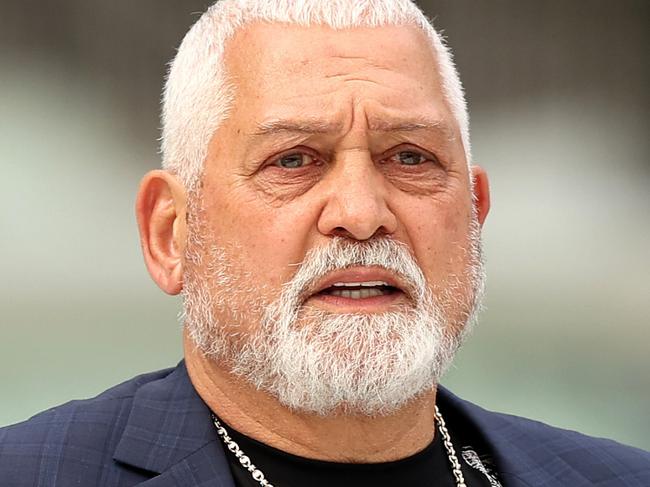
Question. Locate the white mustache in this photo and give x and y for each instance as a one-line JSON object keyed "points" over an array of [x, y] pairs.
{"points": [[342, 253]]}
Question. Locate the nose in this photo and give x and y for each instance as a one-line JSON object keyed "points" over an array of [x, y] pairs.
{"points": [[356, 206]]}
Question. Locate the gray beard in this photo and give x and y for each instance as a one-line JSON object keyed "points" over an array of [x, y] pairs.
{"points": [[326, 363]]}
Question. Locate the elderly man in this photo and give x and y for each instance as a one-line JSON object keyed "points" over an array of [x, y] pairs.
{"points": [[320, 215]]}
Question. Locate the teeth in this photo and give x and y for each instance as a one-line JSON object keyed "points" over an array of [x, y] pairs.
{"points": [[357, 293], [360, 284]]}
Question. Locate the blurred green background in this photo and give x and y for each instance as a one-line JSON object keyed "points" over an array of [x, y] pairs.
{"points": [[558, 93]]}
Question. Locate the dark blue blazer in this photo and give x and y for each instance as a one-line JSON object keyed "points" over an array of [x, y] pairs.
{"points": [[155, 431]]}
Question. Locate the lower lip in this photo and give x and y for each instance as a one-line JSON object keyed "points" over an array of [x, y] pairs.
{"points": [[373, 303]]}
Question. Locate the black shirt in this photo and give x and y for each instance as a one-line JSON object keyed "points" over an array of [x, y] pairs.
{"points": [[429, 467]]}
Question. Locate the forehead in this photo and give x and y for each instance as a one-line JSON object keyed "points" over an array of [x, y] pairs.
{"points": [[278, 67], [264, 45]]}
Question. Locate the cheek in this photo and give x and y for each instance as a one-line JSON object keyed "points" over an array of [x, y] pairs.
{"points": [[267, 241], [437, 233]]}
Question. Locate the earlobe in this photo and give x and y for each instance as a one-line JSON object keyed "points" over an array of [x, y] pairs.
{"points": [[481, 189], [161, 214]]}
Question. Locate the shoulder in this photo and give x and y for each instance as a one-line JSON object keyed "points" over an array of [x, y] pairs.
{"points": [[598, 461], [76, 439], [544, 454], [563, 441]]}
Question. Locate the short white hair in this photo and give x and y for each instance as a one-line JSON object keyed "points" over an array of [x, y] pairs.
{"points": [[198, 96]]}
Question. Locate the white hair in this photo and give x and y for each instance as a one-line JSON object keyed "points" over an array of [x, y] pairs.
{"points": [[197, 96]]}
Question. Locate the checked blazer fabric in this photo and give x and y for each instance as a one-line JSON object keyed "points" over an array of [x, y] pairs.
{"points": [[155, 431]]}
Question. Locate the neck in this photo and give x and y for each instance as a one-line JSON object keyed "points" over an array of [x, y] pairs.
{"points": [[337, 438]]}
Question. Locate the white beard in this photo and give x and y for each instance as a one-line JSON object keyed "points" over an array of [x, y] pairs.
{"points": [[325, 363]]}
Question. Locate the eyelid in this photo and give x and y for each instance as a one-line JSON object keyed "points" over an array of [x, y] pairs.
{"points": [[273, 160], [409, 148]]}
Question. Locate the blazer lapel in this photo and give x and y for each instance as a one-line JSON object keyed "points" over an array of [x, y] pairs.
{"points": [[525, 453], [170, 433], [483, 421], [197, 470]]}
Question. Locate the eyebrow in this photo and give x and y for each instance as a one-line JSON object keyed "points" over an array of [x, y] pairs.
{"points": [[302, 126], [412, 125], [320, 126]]}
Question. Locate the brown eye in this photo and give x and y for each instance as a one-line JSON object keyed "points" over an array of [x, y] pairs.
{"points": [[294, 161]]}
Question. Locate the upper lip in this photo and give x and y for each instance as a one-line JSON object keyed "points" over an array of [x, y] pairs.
{"points": [[358, 275]]}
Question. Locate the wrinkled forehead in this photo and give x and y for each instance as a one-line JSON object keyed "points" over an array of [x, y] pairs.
{"points": [[281, 69]]}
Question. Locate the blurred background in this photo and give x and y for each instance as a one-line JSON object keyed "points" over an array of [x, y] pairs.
{"points": [[558, 93]]}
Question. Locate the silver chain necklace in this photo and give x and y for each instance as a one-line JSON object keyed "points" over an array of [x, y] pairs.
{"points": [[258, 475]]}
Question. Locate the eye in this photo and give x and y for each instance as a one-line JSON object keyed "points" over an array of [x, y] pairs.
{"points": [[410, 158], [295, 160]]}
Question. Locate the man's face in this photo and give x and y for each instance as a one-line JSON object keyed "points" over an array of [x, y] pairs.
{"points": [[332, 134]]}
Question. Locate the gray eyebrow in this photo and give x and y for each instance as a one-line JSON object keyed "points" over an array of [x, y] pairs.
{"points": [[320, 126], [387, 125], [303, 126]]}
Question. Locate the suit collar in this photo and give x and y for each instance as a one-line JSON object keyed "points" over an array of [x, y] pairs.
{"points": [[169, 431], [484, 422], [526, 453]]}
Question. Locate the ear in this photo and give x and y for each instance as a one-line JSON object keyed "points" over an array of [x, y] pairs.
{"points": [[161, 212], [481, 188]]}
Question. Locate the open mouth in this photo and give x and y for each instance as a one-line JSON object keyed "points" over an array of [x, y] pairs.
{"points": [[359, 290]]}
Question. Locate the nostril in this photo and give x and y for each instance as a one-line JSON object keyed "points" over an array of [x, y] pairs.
{"points": [[359, 235], [343, 233]]}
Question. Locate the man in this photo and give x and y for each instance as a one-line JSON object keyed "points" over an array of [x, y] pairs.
{"points": [[319, 212]]}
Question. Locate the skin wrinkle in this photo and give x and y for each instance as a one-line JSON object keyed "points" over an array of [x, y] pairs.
{"points": [[315, 125], [410, 182], [354, 58], [349, 79], [292, 125], [284, 133], [275, 198]]}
